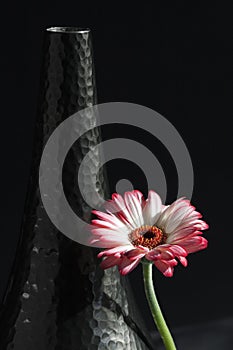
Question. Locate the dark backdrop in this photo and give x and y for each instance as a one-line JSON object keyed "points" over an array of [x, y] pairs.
{"points": [[173, 58]]}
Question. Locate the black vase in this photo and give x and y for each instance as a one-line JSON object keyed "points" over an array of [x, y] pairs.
{"points": [[57, 296]]}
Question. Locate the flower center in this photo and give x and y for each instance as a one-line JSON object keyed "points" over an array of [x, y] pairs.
{"points": [[147, 236]]}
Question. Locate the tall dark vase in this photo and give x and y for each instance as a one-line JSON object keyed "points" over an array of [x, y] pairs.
{"points": [[58, 298]]}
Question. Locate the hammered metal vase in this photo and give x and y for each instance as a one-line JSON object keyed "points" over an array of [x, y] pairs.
{"points": [[57, 295]]}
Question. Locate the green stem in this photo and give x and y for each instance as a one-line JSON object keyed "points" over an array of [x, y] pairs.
{"points": [[155, 308]]}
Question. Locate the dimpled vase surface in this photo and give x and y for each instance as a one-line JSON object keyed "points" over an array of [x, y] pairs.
{"points": [[57, 296]]}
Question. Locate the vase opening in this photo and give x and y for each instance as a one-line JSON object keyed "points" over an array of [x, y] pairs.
{"points": [[68, 30]]}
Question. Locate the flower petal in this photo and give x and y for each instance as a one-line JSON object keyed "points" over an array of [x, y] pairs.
{"points": [[165, 215], [134, 208], [176, 217], [140, 197], [177, 250], [106, 242], [136, 253], [115, 251], [110, 261], [127, 265], [111, 218], [106, 224], [152, 208], [118, 207], [166, 266], [190, 223], [183, 260], [193, 244], [166, 252], [102, 231], [159, 254], [182, 234]]}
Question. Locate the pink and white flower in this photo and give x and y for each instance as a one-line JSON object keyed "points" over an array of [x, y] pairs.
{"points": [[133, 228]]}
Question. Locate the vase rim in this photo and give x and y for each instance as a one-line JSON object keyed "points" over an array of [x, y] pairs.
{"points": [[68, 30]]}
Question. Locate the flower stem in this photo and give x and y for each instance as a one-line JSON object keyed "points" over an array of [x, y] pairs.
{"points": [[155, 308]]}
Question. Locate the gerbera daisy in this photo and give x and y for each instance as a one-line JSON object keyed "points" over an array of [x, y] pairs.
{"points": [[133, 228]]}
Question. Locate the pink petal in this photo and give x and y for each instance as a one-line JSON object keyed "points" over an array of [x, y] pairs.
{"points": [[134, 208], [115, 251], [159, 254], [110, 261], [194, 215], [152, 208], [166, 252], [183, 260], [117, 206], [176, 217], [102, 243], [194, 244], [166, 267], [173, 238], [139, 196], [187, 229], [190, 222], [177, 250], [111, 218], [181, 237], [201, 225], [164, 207], [136, 253], [114, 240], [127, 265], [168, 211], [106, 224], [102, 231]]}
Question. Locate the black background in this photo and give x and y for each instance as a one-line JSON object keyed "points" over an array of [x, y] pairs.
{"points": [[172, 57]]}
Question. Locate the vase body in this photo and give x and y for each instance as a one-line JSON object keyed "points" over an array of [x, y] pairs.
{"points": [[58, 298]]}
